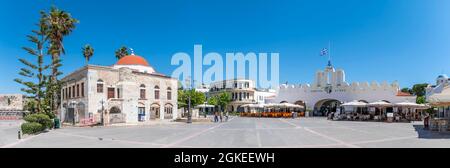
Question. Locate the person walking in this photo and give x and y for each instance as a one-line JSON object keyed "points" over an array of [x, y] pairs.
{"points": [[226, 116], [220, 116], [216, 117]]}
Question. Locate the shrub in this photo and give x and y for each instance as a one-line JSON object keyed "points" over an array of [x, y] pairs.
{"points": [[40, 118], [32, 128]]}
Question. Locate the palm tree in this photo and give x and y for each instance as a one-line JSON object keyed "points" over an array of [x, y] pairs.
{"points": [[122, 52], [60, 24], [88, 51]]}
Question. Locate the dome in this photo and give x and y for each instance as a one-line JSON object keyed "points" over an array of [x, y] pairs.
{"points": [[442, 76], [135, 62], [132, 60]]}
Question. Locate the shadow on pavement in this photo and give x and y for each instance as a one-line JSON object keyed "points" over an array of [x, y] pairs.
{"points": [[428, 134]]}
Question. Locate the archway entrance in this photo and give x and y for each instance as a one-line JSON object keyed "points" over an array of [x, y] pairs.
{"points": [[325, 106]]}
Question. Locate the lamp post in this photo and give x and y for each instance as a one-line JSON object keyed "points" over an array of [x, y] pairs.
{"points": [[189, 88], [103, 109]]}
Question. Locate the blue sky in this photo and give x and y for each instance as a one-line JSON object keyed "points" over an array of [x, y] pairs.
{"points": [[403, 40]]}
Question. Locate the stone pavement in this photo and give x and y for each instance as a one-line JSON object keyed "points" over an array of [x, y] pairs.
{"points": [[244, 132]]}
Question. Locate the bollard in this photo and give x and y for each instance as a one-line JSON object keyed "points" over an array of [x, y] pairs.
{"points": [[19, 134]]}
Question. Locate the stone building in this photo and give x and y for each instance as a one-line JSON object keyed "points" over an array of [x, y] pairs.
{"points": [[130, 91], [11, 106], [330, 89]]}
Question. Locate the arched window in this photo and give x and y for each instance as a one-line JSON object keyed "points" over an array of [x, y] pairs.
{"points": [[142, 91], [169, 93], [114, 110], [168, 110], [100, 86], [156, 92]]}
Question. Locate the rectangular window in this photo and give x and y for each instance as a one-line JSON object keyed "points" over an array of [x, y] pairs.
{"points": [[118, 93], [99, 87], [82, 89], [78, 90], [142, 94], [169, 95], [110, 93], [70, 92], [73, 91], [156, 94], [63, 94]]}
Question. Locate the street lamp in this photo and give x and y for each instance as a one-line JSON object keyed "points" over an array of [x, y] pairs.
{"points": [[189, 88], [103, 109]]}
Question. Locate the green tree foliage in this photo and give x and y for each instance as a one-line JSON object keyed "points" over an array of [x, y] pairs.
{"points": [[87, 51], [121, 52], [34, 80], [420, 100], [407, 90], [48, 39], [419, 89], [60, 24], [197, 98], [221, 100]]}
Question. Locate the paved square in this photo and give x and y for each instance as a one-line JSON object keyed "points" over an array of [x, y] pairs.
{"points": [[238, 132]]}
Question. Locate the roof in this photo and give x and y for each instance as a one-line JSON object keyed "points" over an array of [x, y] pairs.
{"points": [[400, 93], [132, 60]]}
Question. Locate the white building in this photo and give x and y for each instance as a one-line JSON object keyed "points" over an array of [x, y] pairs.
{"points": [[439, 96], [129, 91], [330, 89], [242, 92]]}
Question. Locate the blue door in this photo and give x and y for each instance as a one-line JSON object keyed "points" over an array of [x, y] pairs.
{"points": [[141, 114]]}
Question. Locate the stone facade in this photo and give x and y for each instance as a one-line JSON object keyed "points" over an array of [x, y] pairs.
{"points": [[9, 102], [124, 94], [331, 89]]}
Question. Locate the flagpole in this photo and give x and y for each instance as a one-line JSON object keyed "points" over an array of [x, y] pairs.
{"points": [[329, 52]]}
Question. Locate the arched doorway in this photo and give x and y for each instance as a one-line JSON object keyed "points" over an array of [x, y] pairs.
{"points": [[116, 115], [325, 106], [154, 111]]}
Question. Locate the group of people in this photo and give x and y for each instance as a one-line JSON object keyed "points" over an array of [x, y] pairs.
{"points": [[218, 116]]}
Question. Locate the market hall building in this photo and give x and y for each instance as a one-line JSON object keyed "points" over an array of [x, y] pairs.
{"points": [[130, 91], [330, 90]]}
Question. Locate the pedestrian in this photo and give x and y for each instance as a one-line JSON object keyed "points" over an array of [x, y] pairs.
{"points": [[220, 115], [216, 118], [293, 116], [226, 116], [425, 122]]}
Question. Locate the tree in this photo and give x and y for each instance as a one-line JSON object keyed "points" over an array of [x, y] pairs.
{"points": [[122, 52], [407, 90], [197, 98], [419, 89], [420, 100], [35, 80], [60, 24], [88, 51], [221, 100]]}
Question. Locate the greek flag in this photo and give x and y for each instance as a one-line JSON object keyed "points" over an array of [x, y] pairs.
{"points": [[324, 52]]}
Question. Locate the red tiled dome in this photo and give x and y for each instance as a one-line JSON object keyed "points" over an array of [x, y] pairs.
{"points": [[132, 60]]}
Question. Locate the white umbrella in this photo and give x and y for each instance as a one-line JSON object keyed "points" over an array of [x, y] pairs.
{"points": [[354, 104], [380, 104], [412, 105]]}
